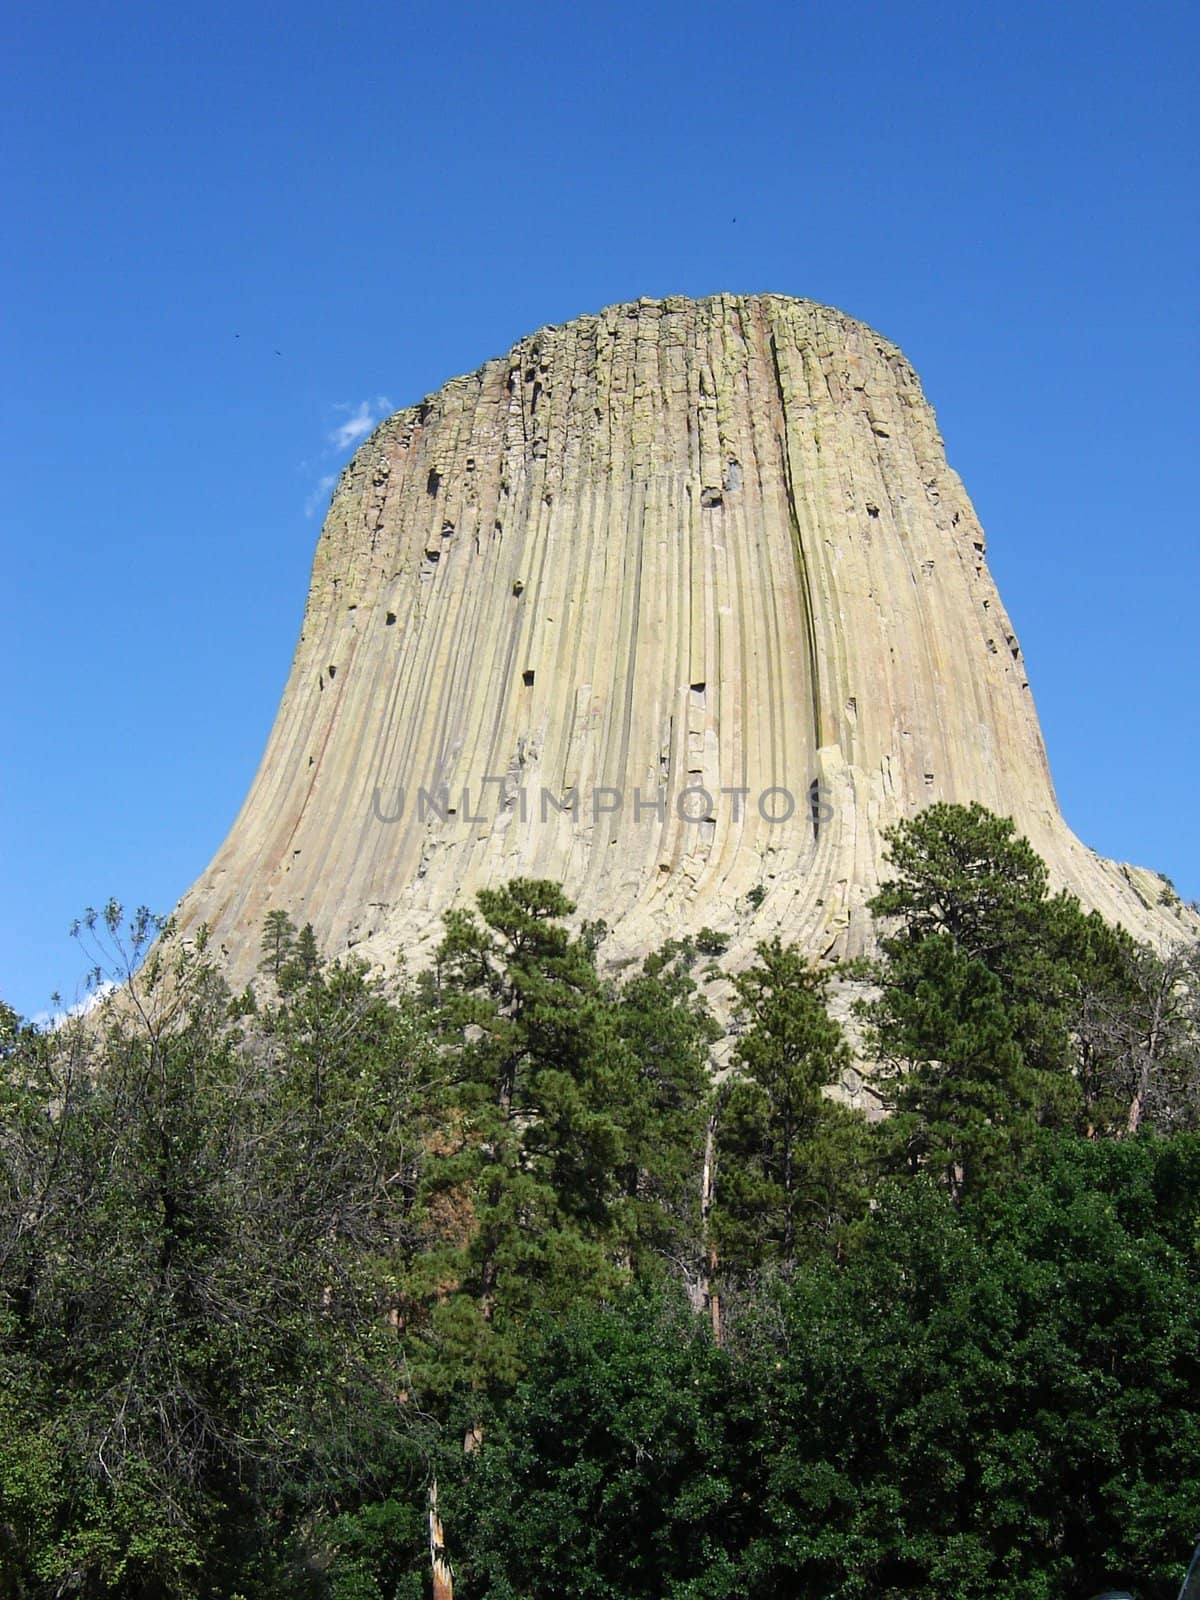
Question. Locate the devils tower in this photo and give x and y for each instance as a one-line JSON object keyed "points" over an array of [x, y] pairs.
{"points": [[680, 605]]}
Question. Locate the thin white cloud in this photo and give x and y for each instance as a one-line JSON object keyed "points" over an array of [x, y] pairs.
{"points": [[359, 418], [55, 1019], [320, 494], [358, 424]]}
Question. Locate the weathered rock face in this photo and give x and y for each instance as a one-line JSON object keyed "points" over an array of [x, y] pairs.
{"points": [[680, 605]]}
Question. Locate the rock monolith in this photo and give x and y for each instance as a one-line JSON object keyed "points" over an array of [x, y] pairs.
{"points": [[679, 604]]}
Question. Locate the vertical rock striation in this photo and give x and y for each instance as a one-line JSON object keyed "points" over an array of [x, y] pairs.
{"points": [[679, 604]]}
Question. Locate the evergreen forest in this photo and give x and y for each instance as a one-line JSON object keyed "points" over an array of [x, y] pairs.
{"points": [[523, 1276]]}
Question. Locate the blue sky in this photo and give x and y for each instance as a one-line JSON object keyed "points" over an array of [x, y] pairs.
{"points": [[235, 233]]}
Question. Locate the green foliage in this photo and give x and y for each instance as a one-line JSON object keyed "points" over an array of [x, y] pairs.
{"points": [[266, 1264], [192, 1350], [304, 962], [514, 1198], [963, 875], [377, 1552], [572, 1120], [608, 1473], [660, 1092], [790, 1162], [992, 1397], [278, 943], [996, 1398], [963, 872], [980, 992], [292, 959], [965, 1101]]}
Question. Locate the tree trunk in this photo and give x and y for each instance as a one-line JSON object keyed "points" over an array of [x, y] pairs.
{"points": [[707, 1189], [443, 1577], [1137, 1105], [714, 1301], [789, 1232]]}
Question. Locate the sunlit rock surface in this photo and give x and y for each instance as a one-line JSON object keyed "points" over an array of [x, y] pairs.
{"points": [[679, 604]]}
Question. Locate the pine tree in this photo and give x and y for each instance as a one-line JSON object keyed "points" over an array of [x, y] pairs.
{"points": [[278, 943], [518, 1188], [661, 1095], [304, 961], [980, 990], [964, 1100], [966, 875], [789, 1160]]}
